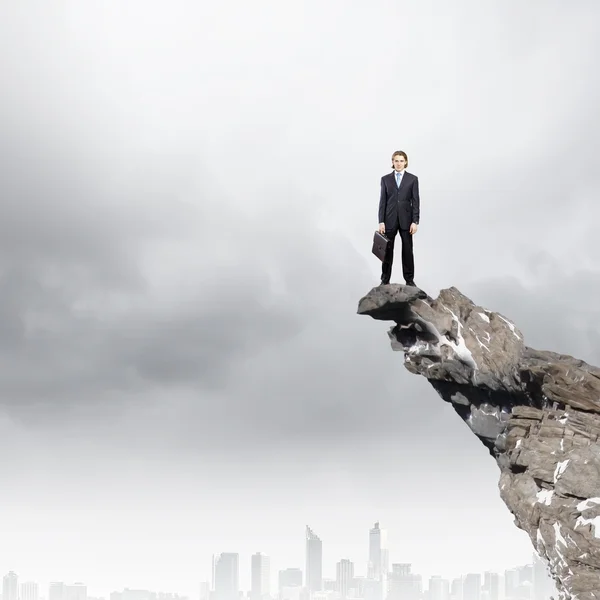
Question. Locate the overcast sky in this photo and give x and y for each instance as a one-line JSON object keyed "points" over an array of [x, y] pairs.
{"points": [[188, 195]]}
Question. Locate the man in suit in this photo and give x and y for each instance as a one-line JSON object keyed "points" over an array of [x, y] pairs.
{"points": [[399, 212]]}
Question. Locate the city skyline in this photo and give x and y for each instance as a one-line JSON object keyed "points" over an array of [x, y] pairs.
{"points": [[228, 569], [80, 589], [34, 586]]}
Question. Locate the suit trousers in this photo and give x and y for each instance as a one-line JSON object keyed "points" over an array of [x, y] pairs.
{"points": [[408, 261]]}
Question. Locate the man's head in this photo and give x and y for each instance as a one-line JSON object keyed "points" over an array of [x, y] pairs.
{"points": [[399, 160]]}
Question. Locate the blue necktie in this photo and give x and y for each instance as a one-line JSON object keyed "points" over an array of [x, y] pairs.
{"points": [[398, 179]]}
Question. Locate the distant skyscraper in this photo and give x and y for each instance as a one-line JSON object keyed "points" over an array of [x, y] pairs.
{"points": [[511, 582], [56, 591], [290, 584], [29, 591], [403, 584], [77, 591], [59, 591], [525, 574], [314, 561], [456, 589], [261, 577], [378, 553], [9, 586], [226, 576], [439, 589], [472, 587], [358, 588], [377, 568], [491, 585], [344, 577]]}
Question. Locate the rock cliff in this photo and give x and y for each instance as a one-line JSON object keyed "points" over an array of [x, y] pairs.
{"points": [[537, 412]]}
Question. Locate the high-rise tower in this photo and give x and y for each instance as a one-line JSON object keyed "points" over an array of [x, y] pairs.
{"points": [[314, 561], [378, 567], [226, 574], [378, 553], [344, 577], [261, 577], [9, 586]]}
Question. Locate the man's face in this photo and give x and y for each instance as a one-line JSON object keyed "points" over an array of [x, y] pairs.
{"points": [[399, 162]]}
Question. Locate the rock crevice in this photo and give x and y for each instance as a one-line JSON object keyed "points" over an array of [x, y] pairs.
{"points": [[536, 411]]}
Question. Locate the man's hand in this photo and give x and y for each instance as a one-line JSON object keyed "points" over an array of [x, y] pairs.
{"points": [[381, 228], [413, 228]]}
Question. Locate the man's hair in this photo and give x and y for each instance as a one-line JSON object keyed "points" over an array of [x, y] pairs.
{"points": [[400, 153]]}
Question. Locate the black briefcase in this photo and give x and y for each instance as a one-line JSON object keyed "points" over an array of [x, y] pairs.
{"points": [[380, 245]]}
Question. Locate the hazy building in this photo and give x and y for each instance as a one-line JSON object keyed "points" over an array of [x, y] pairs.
{"points": [[456, 589], [472, 587], [290, 578], [378, 553], [293, 592], [511, 583], [56, 590], [358, 587], [372, 589], [128, 594], [77, 591], [314, 561], [491, 585], [169, 596], [344, 580], [260, 585], [403, 584], [226, 576], [525, 574], [29, 591], [290, 584], [438, 588], [377, 566], [10, 590]]}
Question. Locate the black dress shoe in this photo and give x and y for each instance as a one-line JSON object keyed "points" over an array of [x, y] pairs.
{"points": [[411, 283], [385, 280]]}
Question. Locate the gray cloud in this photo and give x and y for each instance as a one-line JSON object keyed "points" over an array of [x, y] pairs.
{"points": [[136, 255], [132, 259]]}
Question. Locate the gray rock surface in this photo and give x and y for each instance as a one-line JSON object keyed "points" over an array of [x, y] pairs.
{"points": [[537, 412]]}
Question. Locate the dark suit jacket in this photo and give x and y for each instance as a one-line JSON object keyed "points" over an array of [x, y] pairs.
{"points": [[399, 207]]}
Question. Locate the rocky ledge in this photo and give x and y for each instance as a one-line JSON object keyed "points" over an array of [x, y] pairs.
{"points": [[537, 412]]}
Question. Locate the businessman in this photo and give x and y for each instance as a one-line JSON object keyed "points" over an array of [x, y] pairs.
{"points": [[399, 214]]}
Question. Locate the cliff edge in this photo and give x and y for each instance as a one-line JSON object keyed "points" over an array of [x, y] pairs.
{"points": [[537, 412]]}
